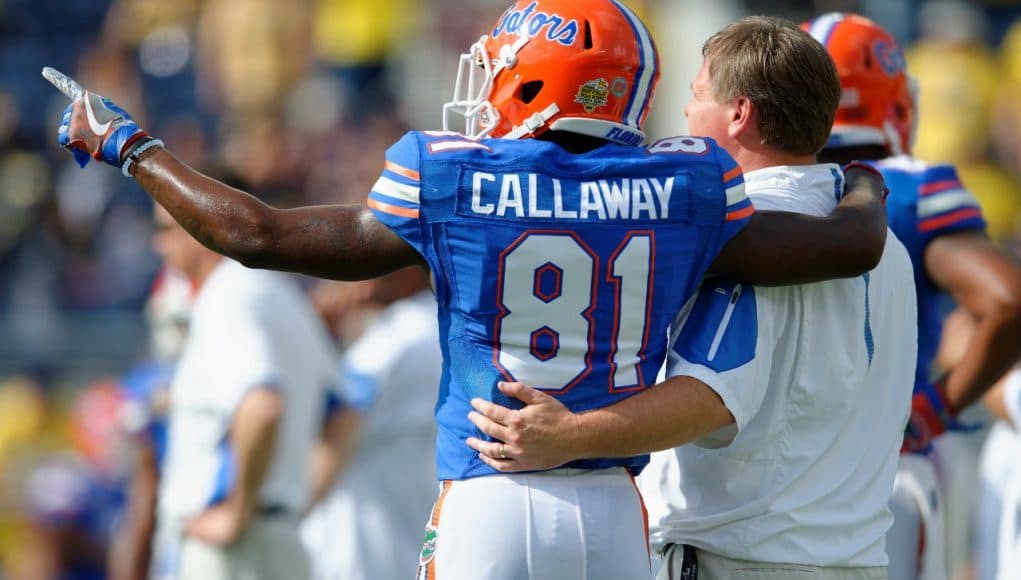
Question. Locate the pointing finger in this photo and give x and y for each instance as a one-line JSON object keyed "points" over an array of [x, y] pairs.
{"points": [[64, 83]]}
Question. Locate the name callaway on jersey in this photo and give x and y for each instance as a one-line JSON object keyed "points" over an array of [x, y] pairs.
{"points": [[532, 195]]}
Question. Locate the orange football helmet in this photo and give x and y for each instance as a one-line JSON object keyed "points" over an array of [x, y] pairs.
{"points": [[878, 98], [585, 66]]}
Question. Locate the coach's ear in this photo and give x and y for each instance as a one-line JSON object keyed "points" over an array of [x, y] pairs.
{"points": [[740, 117]]}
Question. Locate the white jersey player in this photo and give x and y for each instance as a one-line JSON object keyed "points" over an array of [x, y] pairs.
{"points": [[255, 367]]}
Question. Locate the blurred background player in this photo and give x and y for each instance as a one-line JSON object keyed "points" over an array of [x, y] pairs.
{"points": [[146, 387], [387, 483], [253, 373], [942, 226], [995, 484], [998, 517], [583, 128]]}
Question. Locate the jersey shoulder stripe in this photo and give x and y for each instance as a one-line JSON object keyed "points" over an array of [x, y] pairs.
{"points": [[398, 188], [934, 195], [947, 201], [395, 190], [401, 173], [960, 219], [741, 210], [392, 209], [739, 206]]}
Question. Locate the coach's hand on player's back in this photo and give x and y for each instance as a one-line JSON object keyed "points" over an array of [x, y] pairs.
{"points": [[541, 435]]}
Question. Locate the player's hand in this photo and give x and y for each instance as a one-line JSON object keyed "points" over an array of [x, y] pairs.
{"points": [[218, 525], [93, 126], [857, 170], [537, 436], [96, 127], [930, 417]]}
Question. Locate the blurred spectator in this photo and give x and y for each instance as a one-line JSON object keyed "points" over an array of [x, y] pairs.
{"points": [[251, 54], [956, 73], [965, 113], [355, 40], [146, 388], [254, 369]]}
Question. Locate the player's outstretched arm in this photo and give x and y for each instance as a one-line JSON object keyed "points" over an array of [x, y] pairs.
{"points": [[342, 242], [986, 282], [779, 248]]}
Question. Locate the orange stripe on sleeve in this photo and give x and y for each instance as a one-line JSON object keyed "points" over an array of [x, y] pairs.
{"points": [[401, 170], [935, 223], [935, 186], [393, 209], [731, 174], [740, 213]]}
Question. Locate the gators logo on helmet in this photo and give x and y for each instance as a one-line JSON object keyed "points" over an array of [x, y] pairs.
{"points": [[541, 67]]}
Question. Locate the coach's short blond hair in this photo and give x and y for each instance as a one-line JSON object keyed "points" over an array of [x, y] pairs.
{"points": [[787, 75]]}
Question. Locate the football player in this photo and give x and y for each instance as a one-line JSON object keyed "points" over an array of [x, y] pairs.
{"points": [[942, 226], [560, 247]]}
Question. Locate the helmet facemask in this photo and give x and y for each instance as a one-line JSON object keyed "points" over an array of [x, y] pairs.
{"points": [[473, 86]]}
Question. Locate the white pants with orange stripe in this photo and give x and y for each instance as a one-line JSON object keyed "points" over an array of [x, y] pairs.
{"points": [[564, 524], [916, 542]]}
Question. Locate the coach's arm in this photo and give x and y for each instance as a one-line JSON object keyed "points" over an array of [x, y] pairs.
{"points": [[545, 434]]}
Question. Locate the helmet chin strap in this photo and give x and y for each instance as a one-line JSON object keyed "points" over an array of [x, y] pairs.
{"points": [[529, 125], [508, 56]]}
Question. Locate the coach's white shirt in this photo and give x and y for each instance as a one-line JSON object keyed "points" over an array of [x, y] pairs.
{"points": [[818, 378], [249, 329]]}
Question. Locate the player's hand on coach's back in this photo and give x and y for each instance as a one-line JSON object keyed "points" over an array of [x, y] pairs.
{"points": [[94, 126], [931, 416]]}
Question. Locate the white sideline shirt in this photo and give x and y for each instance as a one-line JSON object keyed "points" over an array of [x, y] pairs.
{"points": [[249, 329], [818, 378]]}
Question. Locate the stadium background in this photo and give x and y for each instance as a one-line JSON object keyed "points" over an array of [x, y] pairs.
{"points": [[297, 100]]}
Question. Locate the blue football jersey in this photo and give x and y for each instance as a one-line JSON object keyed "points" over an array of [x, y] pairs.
{"points": [[558, 270], [925, 202]]}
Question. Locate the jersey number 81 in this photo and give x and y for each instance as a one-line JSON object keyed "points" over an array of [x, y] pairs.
{"points": [[548, 295]]}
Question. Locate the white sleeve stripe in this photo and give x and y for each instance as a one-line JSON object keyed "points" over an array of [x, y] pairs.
{"points": [[736, 194], [945, 201], [391, 188]]}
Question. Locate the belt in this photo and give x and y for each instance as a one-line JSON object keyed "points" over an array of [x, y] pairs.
{"points": [[688, 569], [273, 510]]}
